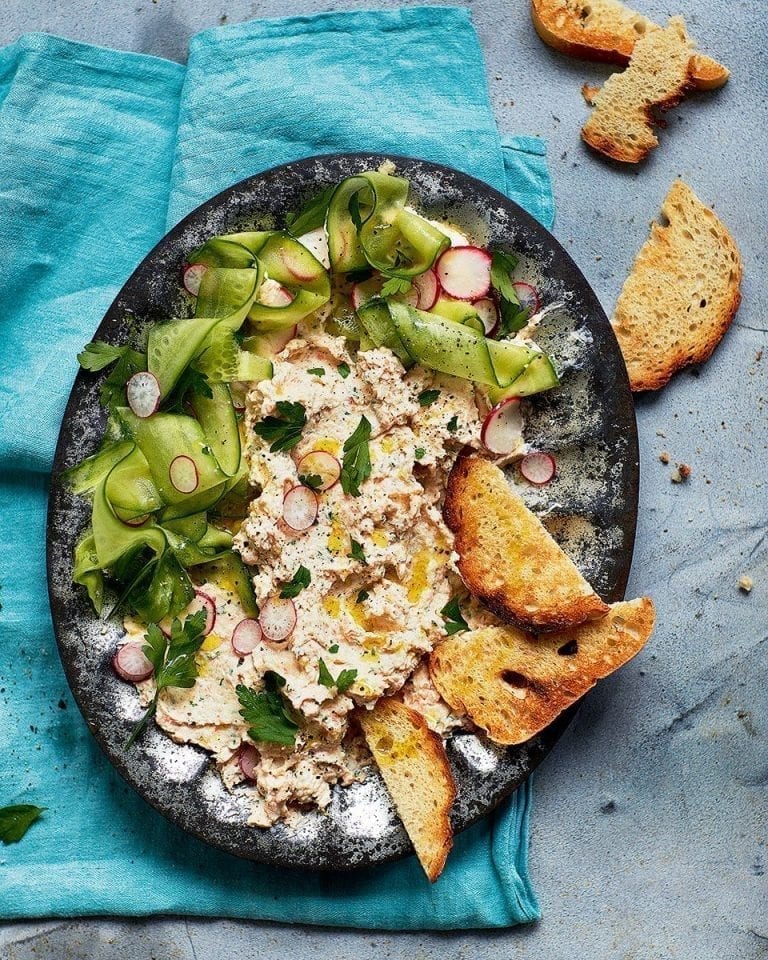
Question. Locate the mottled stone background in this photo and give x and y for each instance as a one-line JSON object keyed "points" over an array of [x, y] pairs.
{"points": [[651, 814]]}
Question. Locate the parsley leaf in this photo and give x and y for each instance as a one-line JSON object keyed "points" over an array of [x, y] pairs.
{"points": [[265, 711], [502, 265], [312, 214], [427, 397], [342, 683], [324, 675], [362, 596], [173, 659], [394, 286], [334, 648], [453, 424], [283, 430], [193, 380], [317, 371], [454, 621], [98, 354], [357, 552], [16, 820], [356, 464], [513, 317], [419, 452], [344, 370], [311, 480], [302, 578]]}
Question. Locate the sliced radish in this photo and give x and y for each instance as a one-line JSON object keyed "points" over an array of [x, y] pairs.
{"points": [[246, 637], [528, 297], [538, 467], [136, 521], [131, 664], [277, 619], [427, 288], [249, 760], [316, 241], [272, 294], [319, 463], [465, 272], [502, 429], [183, 474], [143, 394], [192, 277], [300, 508], [489, 315]]}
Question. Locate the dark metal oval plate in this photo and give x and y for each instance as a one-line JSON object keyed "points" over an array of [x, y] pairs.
{"points": [[591, 507]]}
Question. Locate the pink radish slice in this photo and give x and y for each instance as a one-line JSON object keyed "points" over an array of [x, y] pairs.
{"points": [[203, 602], [246, 637], [131, 664], [183, 474], [489, 315], [465, 272], [249, 760], [316, 241], [137, 521], [192, 277], [538, 468], [319, 463], [427, 288], [277, 619], [300, 508], [528, 297], [143, 394], [274, 295], [502, 429]]}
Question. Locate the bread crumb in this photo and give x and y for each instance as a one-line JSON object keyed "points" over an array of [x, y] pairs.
{"points": [[681, 473], [745, 583], [664, 456]]}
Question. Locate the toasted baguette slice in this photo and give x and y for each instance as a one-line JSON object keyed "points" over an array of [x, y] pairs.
{"points": [[607, 31], [417, 773], [658, 75], [513, 685], [507, 558], [682, 294]]}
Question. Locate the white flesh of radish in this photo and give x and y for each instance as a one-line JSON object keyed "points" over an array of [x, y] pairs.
{"points": [[300, 508], [502, 429], [277, 619], [465, 272], [143, 394], [131, 664]]}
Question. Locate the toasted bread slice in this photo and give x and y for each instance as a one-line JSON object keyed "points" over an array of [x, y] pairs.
{"points": [[507, 558], [658, 75], [513, 685], [607, 31], [417, 773], [682, 293]]}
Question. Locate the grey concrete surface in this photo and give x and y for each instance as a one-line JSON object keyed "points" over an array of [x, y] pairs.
{"points": [[651, 815]]}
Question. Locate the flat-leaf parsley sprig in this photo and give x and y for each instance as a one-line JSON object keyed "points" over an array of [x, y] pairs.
{"points": [[284, 429], [356, 464], [266, 712], [173, 659]]}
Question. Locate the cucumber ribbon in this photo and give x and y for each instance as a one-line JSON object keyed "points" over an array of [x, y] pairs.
{"points": [[457, 349]]}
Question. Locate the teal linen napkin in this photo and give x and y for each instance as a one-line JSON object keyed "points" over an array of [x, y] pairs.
{"points": [[99, 151]]}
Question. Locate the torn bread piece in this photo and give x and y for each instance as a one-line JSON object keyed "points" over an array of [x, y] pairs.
{"points": [[657, 78], [607, 31], [682, 293], [415, 768], [507, 558], [513, 684]]}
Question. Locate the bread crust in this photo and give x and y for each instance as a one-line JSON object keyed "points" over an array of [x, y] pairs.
{"points": [[530, 582], [669, 254], [560, 24], [413, 762], [513, 684]]}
